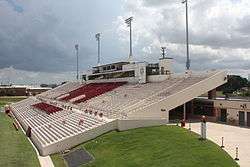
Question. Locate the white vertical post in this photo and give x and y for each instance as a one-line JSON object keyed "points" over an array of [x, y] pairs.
{"points": [[128, 21], [163, 52], [203, 128], [77, 55], [98, 36]]}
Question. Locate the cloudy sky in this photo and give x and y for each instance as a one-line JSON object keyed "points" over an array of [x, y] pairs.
{"points": [[37, 38]]}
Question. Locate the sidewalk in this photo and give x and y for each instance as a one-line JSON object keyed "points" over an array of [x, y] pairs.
{"points": [[233, 137], [45, 161]]}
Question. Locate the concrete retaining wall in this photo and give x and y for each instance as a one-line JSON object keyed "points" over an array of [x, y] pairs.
{"points": [[157, 78], [132, 124], [72, 141]]}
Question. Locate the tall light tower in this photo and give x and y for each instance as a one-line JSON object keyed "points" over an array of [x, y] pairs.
{"points": [[163, 49], [98, 36], [77, 54], [128, 21], [187, 37]]}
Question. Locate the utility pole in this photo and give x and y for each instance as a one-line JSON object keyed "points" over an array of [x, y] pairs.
{"points": [[77, 54], [98, 36], [128, 21], [187, 35]]}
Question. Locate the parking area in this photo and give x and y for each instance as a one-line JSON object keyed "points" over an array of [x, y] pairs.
{"points": [[233, 137]]}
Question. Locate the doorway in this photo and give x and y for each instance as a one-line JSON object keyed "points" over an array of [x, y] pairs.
{"points": [[248, 118], [241, 118], [223, 115]]}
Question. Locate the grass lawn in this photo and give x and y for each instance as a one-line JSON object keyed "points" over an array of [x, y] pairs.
{"points": [[15, 149], [169, 146], [220, 94], [10, 99]]}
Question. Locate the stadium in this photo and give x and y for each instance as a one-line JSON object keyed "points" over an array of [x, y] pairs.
{"points": [[117, 96], [59, 107], [70, 98]]}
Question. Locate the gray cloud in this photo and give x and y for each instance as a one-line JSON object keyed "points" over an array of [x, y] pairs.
{"points": [[11, 75], [16, 7], [219, 32], [157, 3], [244, 25], [43, 36], [39, 37]]}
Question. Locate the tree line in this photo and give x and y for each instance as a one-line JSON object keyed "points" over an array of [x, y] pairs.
{"points": [[235, 83]]}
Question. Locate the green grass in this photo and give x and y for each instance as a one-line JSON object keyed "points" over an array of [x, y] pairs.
{"points": [[15, 149], [169, 146], [2, 103], [10, 99], [220, 94]]}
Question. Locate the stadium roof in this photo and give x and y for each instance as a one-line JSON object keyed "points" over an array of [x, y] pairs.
{"points": [[117, 63]]}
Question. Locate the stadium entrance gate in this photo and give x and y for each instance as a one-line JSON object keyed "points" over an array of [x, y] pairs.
{"points": [[241, 118], [223, 115]]}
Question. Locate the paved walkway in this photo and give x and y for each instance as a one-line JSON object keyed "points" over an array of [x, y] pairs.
{"points": [[45, 161], [233, 137]]}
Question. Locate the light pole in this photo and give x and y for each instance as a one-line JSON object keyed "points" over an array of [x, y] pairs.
{"points": [[187, 37], [163, 49], [77, 54], [98, 36], [128, 21]]}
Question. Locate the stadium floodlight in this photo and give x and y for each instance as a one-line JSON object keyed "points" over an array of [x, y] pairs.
{"points": [[187, 37], [98, 36], [163, 49], [128, 21], [77, 54]]}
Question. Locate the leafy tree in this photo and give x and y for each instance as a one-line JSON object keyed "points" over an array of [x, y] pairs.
{"points": [[235, 82]]}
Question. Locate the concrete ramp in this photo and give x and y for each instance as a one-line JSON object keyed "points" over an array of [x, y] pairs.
{"points": [[179, 93]]}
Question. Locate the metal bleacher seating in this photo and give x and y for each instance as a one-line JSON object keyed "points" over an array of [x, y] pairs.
{"points": [[73, 109], [61, 90], [54, 126], [130, 97]]}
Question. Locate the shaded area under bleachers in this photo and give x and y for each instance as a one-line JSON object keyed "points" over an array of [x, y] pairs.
{"points": [[48, 108]]}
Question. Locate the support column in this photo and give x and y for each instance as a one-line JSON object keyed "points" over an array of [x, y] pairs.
{"points": [[212, 94], [245, 118], [167, 116], [192, 107], [184, 111], [216, 113]]}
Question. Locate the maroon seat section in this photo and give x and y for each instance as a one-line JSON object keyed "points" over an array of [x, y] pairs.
{"points": [[92, 90], [48, 108]]}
